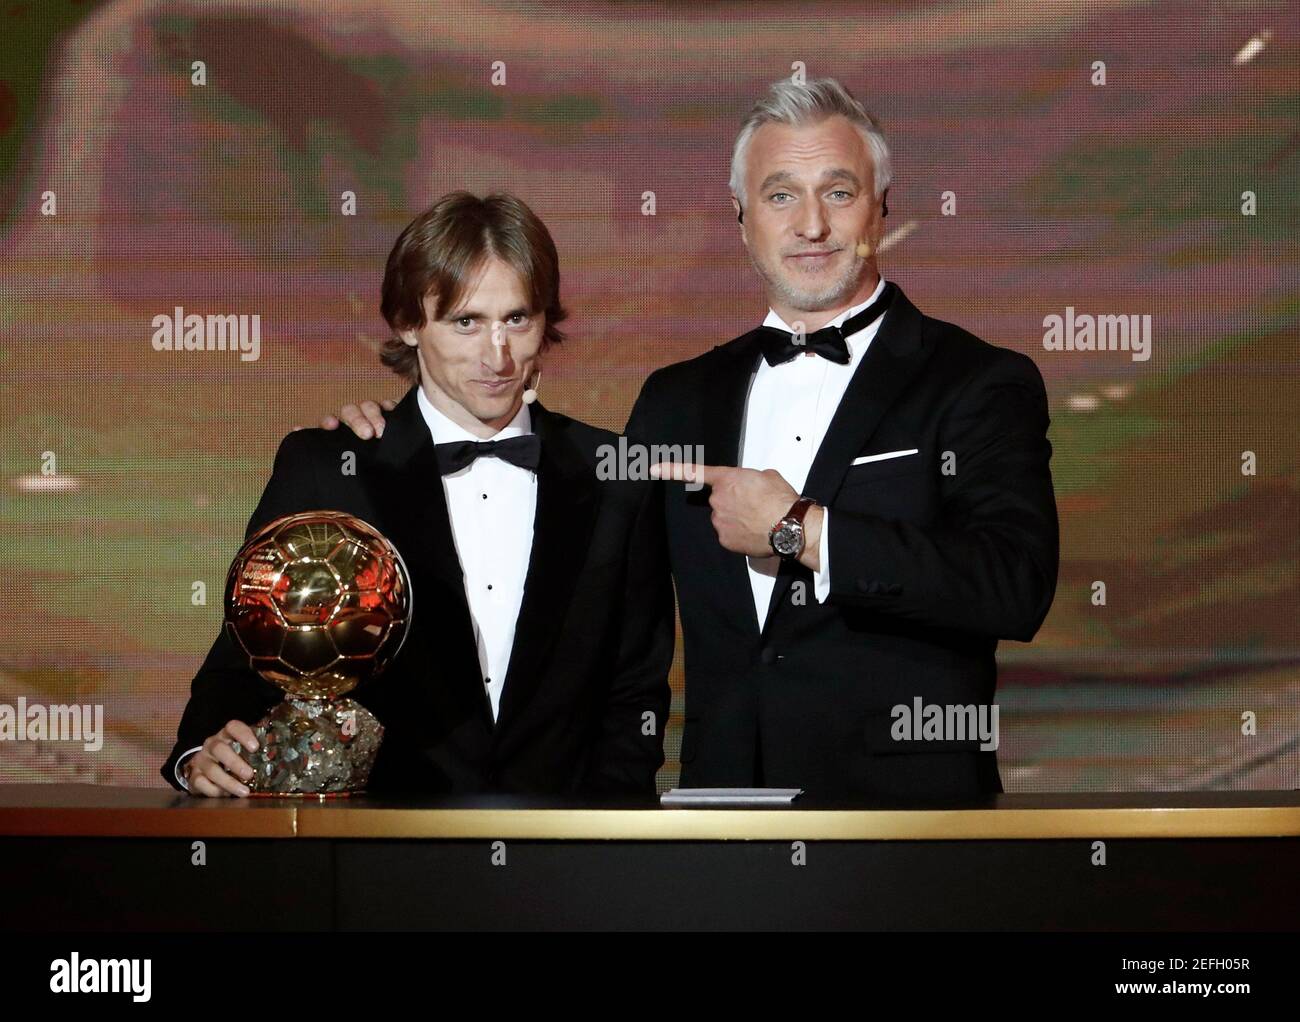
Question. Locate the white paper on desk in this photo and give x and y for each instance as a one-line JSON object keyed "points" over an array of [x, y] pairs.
{"points": [[729, 796]]}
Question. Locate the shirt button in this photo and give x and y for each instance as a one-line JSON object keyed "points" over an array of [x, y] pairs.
{"points": [[487, 681], [485, 496], [489, 585]]}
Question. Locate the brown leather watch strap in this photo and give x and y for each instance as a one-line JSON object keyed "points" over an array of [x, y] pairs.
{"points": [[799, 508]]}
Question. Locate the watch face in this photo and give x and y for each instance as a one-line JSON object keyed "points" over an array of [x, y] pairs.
{"points": [[786, 539]]}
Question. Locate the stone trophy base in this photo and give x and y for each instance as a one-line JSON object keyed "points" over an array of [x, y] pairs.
{"points": [[322, 747]]}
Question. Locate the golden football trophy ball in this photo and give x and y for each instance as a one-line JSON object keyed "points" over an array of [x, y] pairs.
{"points": [[319, 601]]}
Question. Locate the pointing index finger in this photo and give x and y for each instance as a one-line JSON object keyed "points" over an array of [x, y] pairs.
{"points": [[687, 472]]}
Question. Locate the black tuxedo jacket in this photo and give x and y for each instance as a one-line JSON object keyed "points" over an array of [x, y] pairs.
{"points": [[933, 558], [593, 641]]}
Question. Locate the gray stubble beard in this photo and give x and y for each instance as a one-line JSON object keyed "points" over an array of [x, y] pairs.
{"points": [[807, 301]]}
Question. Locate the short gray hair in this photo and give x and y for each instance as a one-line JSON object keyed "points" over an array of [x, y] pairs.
{"points": [[795, 103]]}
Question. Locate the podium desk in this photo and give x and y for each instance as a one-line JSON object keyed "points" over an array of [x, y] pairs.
{"points": [[81, 857]]}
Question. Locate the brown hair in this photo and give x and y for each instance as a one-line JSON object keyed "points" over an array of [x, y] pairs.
{"points": [[439, 252]]}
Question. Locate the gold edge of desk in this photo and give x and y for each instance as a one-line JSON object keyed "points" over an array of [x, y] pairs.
{"points": [[816, 825], [145, 823], [302, 821]]}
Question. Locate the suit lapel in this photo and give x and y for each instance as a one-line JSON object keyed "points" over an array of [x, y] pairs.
{"points": [[896, 354], [567, 502], [723, 425]]}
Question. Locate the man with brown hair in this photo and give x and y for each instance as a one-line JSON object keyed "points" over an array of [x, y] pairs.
{"points": [[543, 629]]}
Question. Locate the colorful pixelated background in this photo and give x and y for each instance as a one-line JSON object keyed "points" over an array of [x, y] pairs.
{"points": [[1117, 198]]}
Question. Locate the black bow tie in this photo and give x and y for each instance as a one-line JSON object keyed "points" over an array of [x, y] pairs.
{"points": [[828, 342], [524, 451]]}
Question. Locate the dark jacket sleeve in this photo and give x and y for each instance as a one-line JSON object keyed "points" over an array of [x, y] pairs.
{"points": [[989, 566], [627, 758], [226, 688], [630, 748]]}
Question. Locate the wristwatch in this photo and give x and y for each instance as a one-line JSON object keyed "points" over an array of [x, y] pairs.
{"points": [[786, 536]]}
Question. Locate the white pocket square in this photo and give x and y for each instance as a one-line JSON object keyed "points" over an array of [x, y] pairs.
{"points": [[884, 457]]}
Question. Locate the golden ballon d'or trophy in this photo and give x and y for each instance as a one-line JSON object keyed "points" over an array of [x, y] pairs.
{"points": [[320, 601]]}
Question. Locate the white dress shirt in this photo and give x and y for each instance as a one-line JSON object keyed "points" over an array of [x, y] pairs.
{"points": [[789, 409], [491, 505]]}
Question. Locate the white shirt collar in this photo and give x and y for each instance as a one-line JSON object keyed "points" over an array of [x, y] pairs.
{"points": [[445, 431], [774, 320]]}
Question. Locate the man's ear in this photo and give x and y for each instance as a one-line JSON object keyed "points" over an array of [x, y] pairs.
{"points": [[740, 216]]}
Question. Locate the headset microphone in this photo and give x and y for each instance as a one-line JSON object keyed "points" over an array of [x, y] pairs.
{"points": [[530, 395]]}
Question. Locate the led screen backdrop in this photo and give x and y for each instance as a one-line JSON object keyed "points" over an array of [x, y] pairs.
{"points": [[1051, 159]]}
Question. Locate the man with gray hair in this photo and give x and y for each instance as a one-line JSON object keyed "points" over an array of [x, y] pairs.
{"points": [[878, 509]]}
